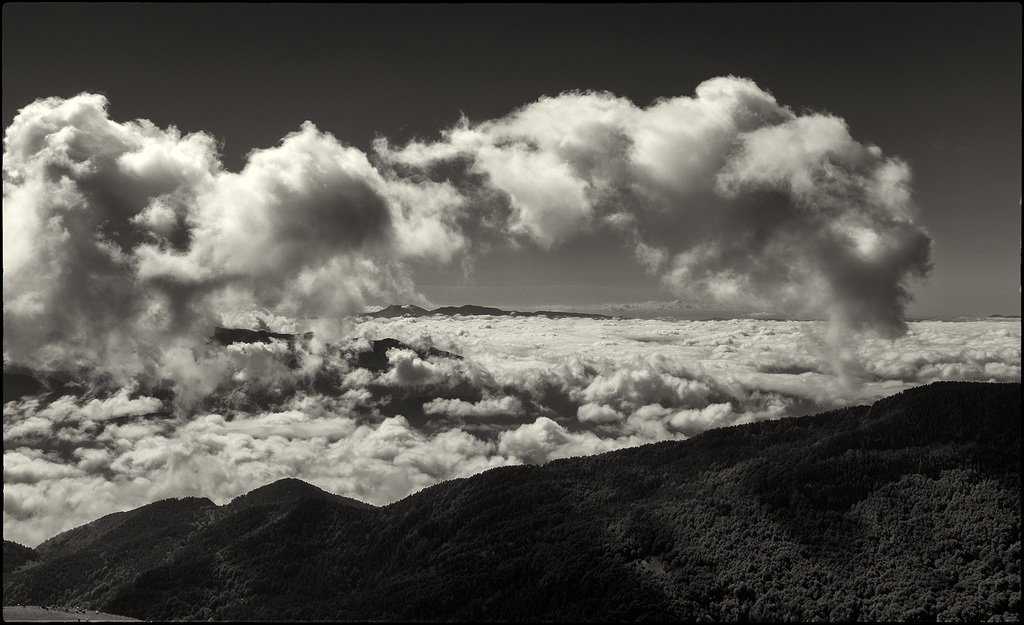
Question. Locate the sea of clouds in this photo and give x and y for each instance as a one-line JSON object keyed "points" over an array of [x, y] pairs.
{"points": [[529, 389], [126, 244]]}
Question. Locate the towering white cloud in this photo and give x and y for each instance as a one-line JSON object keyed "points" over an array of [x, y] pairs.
{"points": [[122, 238], [727, 195]]}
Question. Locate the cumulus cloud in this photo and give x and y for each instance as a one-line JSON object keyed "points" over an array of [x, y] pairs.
{"points": [[544, 440], [598, 413], [408, 369], [483, 408], [123, 238], [727, 195]]}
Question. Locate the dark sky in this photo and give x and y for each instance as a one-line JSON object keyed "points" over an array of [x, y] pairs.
{"points": [[938, 85]]}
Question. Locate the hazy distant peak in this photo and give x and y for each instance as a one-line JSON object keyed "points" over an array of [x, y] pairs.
{"points": [[399, 310], [467, 310]]}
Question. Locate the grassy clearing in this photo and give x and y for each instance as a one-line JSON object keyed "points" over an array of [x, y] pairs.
{"points": [[40, 613]]}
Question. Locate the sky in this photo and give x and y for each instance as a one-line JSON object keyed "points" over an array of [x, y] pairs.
{"points": [[936, 86], [795, 208]]}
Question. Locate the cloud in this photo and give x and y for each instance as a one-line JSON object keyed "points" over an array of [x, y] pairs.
{"points": [[70, 200], [728, 195], [851, 211], [642, 383], [762, 369], [694, 421], [26, 467], [483, 408], [121, 239], [547, 388], [598, 413], [408, 369], [544, 440]]}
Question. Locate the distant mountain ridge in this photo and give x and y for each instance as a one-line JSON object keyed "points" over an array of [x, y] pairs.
{"points": [[908, 509], [468, 310], [227, 336]]}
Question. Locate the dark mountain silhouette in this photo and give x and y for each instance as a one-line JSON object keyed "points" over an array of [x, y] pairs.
{"points": [[376, 358], [18, 385], [49, 385], [905, 510], [467, 310], [287, 491], [396, 310], [17, 556], [227, 336]]}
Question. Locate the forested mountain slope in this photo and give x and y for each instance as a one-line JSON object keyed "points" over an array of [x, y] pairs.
{"points": [[905, 510]]}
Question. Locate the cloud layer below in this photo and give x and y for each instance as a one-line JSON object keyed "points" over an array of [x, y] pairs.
{"points": [[528, 390]]}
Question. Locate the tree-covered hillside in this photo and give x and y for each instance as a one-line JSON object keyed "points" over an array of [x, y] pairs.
{"points": [[905, 510], [17, 556]]}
